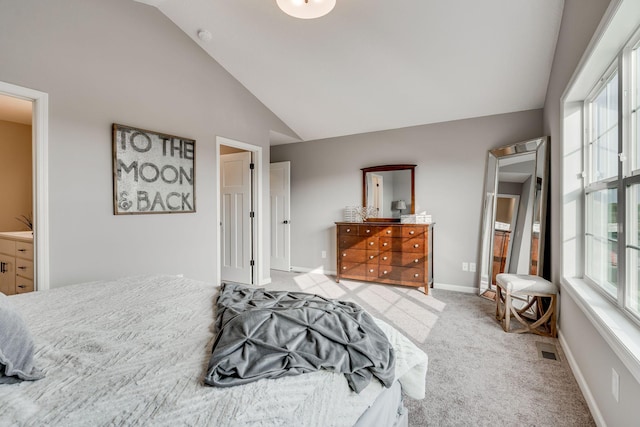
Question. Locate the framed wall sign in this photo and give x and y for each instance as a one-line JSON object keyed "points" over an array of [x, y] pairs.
{"points": [[152, 172]]}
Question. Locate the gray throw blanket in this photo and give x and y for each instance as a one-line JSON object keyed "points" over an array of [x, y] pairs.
{"points": [[263, 334]]}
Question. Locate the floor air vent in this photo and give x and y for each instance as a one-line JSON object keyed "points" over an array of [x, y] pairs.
{"points": [[547, 351]]}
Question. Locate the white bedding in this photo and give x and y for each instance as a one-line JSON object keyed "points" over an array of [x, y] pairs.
{"points": [[134, 352]]}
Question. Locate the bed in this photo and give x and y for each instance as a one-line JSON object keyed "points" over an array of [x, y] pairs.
{"points": [[134, 351]]}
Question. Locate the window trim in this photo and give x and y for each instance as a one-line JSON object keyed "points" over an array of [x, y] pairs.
{"points": [[617, 25], [618, 330]]}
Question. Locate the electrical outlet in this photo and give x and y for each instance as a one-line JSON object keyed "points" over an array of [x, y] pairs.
{"points": [[615, 384], [472, 267], [324, 254], [465, 266]]}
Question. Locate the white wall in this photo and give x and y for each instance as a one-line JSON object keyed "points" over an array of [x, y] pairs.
{"points": [[120, 61], [450, 159], [593, 357]]}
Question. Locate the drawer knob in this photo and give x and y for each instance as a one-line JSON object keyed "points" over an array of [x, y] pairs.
{"points": [[384, 258], [416, 245], [385, 272], [388, 231], [412, 232], [22, 250], [416, 275], [384, 244], [22, 286], [370, 256], [344, 254], [371, 270], [344, 268], [416, 260], [22, 267], [368, 231], [348, 230], [370, 243]]}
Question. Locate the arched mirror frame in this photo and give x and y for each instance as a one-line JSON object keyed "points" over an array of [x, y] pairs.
{"points": [[388, 168], [540, 147]]}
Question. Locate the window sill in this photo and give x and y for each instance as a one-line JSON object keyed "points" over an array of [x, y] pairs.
{"points": [[620, 332]]}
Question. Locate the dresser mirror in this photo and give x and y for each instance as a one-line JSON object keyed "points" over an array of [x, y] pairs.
{"points": [[514, 212], [389, 191]]}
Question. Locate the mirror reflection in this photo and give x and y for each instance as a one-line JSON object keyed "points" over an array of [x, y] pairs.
{"points": [[389, 190], [514, 212]]}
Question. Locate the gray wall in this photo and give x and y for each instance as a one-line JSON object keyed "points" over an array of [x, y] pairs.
{"points": [[121, 61], [591, 352], [450, 159]]}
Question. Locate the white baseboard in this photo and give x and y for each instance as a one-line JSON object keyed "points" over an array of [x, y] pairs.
{"points": [[456, 288], [264, 281], [582, 383], [317, 270]]}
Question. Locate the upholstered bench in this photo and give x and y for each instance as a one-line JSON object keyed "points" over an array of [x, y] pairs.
{"points": [[535, 314]]}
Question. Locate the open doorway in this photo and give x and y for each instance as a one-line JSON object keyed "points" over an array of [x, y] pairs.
{"points": [[24, 244], [16, 187], [239, 211]]}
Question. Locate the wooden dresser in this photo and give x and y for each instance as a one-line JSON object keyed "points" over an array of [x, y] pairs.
{"points": [[16, 262], [383, 252]]}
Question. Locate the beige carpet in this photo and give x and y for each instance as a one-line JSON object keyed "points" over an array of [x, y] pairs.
{"points": [[478, 374]]}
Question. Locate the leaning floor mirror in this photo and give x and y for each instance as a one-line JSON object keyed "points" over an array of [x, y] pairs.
{"points": [[514, 211]]}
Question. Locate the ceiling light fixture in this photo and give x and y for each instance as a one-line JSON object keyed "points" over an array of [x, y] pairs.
{"points": [[306, 9]]}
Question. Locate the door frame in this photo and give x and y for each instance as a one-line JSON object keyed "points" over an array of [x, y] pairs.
{"points": [[40, 173], [257, 204], [512, 225]]}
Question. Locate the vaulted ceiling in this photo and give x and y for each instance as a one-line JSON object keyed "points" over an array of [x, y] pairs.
{"points": [[372, 65]]}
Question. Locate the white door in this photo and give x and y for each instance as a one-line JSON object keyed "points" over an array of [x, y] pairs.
{"points": [[378, 191], [236, 221], [280, 185]]}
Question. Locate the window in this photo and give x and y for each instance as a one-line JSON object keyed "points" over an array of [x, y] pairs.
{"points": [[603, 131], [600, 183], [612, 193], [633, 250], [632, 181], [601, 237]]}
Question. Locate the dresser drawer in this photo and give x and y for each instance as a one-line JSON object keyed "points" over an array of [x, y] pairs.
{"points": [[397, 244], [351, 242], [8, 247], [23, 285], [346, 230], [353, 270], [402, 259], [416, 244], [369, 231], [404, 231], [401, 274], [24, 268], [353, 255], [390, 231], [372, 256], [413, 231], [24, 250], [372, 271]]}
